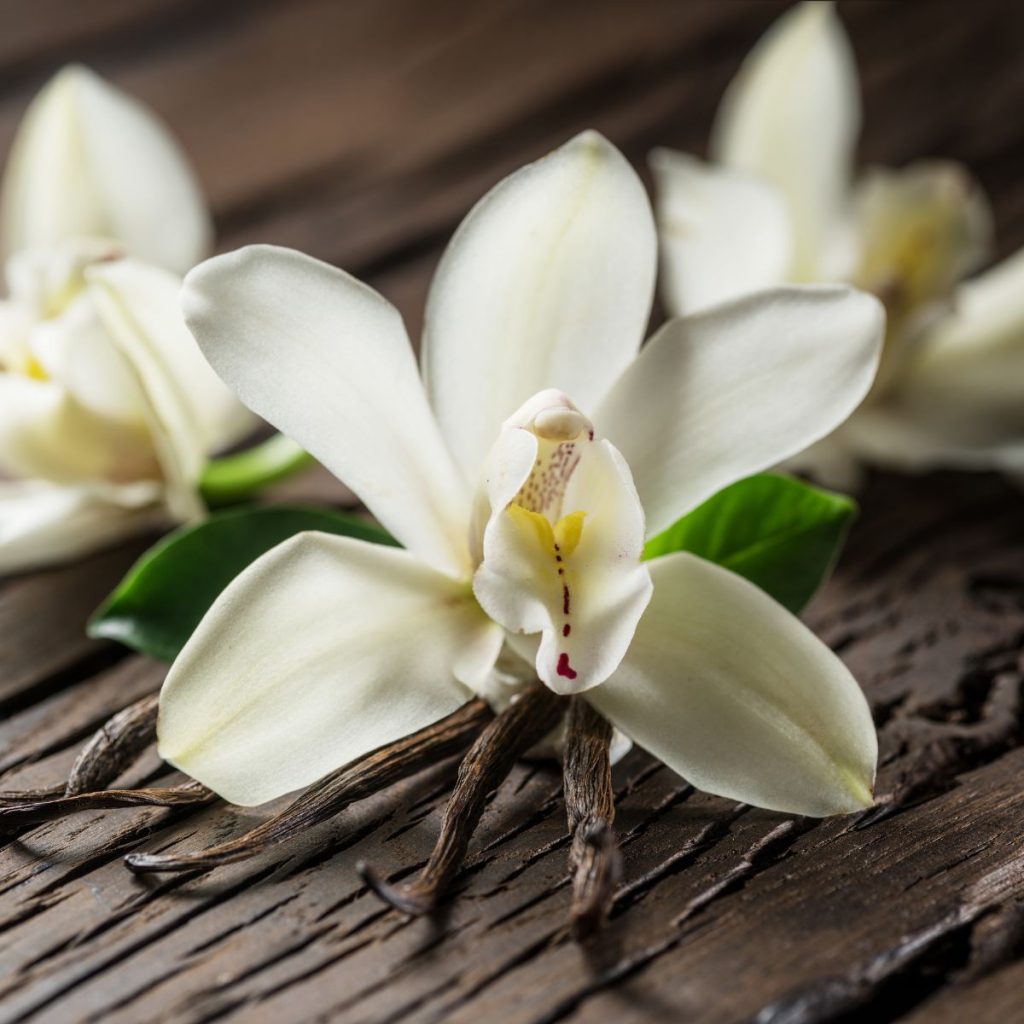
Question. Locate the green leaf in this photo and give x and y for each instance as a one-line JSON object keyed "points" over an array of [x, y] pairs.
{"points": [[236, 478], [159, 603], [779, 533]]}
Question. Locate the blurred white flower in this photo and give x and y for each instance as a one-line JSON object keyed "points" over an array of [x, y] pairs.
{"points": [[778, 203], [523, 519], [108, 410]]}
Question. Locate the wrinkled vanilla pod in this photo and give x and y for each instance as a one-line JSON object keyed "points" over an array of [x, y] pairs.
{"points": [[28, 812], [594, 859], [523, 724], [354, 781], [114, 747]]}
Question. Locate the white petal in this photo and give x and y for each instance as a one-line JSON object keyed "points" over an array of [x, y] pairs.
{"points": [[791, 116], [723, 233], [122, 294], [831, 462], [43, 525], [959, 401], [726, 393], [150, 298], [48, 432], [320, 651], [547, 284], [562, 545], [326, 360], [919, 231], [89, 160], [734, 693]]}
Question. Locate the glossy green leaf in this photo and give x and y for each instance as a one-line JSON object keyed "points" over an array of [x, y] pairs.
{"points": [[159, 603], [780, 533]]}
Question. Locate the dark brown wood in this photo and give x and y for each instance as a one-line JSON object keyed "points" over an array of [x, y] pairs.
{"points": [[361, 132]]}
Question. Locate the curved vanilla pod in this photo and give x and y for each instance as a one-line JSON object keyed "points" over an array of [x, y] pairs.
{"points": [[112, 749], [358, 779], [32, 811], [594, 860], [524, 723]]}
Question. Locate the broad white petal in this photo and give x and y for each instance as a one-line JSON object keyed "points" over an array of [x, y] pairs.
{"points": [[41, 524], [791, 116], [959, 399], [88, 160], [723, 233], [582, 588], [547, 284], [734, 693], [726, 393], [320, 651], [326, 360]]}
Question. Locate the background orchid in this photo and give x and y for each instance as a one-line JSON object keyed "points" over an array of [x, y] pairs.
{"points": [[523, 520], [108, 411], [778, 203]]}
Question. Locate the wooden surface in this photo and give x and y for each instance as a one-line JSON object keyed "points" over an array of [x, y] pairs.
{"points": [[360, 131]]}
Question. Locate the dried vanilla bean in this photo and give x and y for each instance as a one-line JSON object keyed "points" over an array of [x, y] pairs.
{"points": [[483, 769], [594, 859], [354, 781], [114, 747], [187, 794]]}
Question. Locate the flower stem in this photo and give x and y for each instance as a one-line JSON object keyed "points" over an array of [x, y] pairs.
{"points": [[359, 779], [234, 478], [483, 769], [594, 860]]}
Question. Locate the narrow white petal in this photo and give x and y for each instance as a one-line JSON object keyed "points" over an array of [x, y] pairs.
{"points": [[734, 693], [148, 299], [89, 160], [41, 524], [791, 116], [547, 284], [726, 393], [723, 233], [320, 651], [326, 360]]}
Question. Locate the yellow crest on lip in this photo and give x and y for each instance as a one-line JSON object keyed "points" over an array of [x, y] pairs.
{"points": [[563, 537]]}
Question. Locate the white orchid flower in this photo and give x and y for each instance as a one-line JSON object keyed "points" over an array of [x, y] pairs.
{"points": [[777, 204], [523, 474], [108, 410]]}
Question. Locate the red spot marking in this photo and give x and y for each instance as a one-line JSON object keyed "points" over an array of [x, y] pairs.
{"points": [[566, 629], [591, 433], [564, 668], [565, 599]]}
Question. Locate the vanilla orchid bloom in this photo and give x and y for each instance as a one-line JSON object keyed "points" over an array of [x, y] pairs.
{"points": [[523, 474], [778, 203], [108, 410]]}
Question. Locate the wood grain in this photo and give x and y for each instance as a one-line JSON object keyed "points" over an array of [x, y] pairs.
{"points": [[361, 132]]}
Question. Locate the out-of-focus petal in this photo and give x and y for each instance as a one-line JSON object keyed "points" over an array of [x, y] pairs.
{"points": [[723, 233]]}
